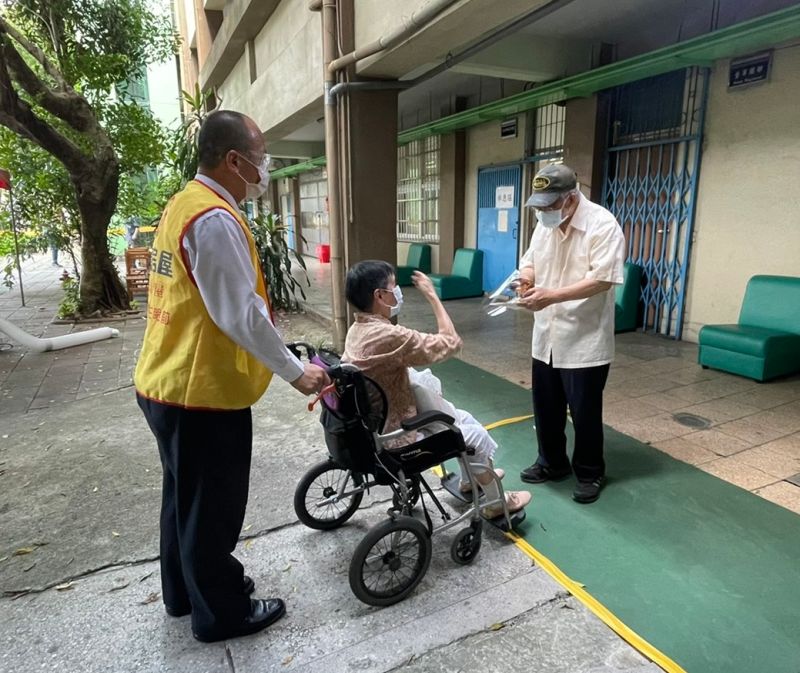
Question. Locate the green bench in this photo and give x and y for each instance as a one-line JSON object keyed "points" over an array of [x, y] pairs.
{"points": [[626, 298], [765, 343], [466, 279], [419, 259]]}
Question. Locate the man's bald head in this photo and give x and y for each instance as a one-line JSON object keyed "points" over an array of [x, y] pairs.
{"points": [[224, 131]]}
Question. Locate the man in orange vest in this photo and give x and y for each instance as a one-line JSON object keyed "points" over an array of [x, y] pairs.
{"points": [[209, 352]]}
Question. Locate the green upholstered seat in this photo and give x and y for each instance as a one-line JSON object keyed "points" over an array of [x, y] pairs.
{"points": [[419, 259], [466, 279], [765, 343], [626, 298]]}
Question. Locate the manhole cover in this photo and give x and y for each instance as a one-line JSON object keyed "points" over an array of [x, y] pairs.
{"points": [[794, 480], [692, 421]]}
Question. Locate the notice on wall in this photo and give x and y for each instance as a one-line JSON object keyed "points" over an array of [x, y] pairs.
{"points": [[502, 221], [504, 197]]}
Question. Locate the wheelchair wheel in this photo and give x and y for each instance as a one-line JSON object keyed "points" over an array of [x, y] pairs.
{"points": [[466, 544], [390, 561], [321, 482], [413, 496]]}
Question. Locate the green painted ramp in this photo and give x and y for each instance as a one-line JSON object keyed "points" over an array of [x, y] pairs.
{"points": [[705, 571]]}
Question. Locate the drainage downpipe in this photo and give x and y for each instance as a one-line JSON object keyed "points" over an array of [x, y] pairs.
{"points": [[56, 343], [408, 28], [329, 51]]}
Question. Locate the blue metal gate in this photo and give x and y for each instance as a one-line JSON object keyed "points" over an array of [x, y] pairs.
{"points": [[498, 222], [651, 172]]}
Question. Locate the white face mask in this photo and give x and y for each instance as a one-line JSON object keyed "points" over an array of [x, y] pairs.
{"points": [[398, 297], [255, 190], [551, 218]]}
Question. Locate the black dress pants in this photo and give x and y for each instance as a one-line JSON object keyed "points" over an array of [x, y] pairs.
{"points": [[205, 458], [581, 390]]}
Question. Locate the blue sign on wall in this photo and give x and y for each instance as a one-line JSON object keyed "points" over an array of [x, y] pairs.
{"points": [[749, 70]]}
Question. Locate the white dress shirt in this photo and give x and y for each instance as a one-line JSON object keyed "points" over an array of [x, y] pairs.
{"points": [[580, 332], [223, 271]]}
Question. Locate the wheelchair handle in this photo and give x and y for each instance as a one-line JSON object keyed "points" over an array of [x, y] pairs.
{"points": [[327, 390]]}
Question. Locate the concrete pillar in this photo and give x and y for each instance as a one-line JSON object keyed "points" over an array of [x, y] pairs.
{"points": [[371, 206], [451, 198], [204, 32], [584, 143]]}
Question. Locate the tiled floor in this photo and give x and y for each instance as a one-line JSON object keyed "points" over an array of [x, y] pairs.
{"points": [[750, 434]]}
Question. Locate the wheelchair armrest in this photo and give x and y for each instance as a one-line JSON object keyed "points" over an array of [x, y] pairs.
{"points": [[426, 418]]}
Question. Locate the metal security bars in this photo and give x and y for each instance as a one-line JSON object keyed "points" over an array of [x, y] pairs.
{"points": [[652, 166], [549, 133], [418, 190]]}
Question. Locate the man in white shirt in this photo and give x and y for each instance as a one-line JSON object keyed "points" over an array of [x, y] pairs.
{"points": [[568, 273]]}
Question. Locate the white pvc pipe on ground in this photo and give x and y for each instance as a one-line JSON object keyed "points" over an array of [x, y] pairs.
{"points": [[56, 343]]}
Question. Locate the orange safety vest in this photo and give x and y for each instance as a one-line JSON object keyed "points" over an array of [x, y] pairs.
{"points": [[186, 360]]}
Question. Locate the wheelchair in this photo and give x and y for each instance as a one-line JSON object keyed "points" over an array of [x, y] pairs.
{"points": [[394, 555]]}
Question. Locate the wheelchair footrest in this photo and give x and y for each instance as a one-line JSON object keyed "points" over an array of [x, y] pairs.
{"points": [[451, 483], [501, 523]]}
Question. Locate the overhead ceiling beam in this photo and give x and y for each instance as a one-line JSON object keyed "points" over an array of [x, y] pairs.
{"points": [[737, 40]]}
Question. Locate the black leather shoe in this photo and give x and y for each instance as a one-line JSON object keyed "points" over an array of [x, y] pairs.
{"points": [[263, 612], [588, 491], [538, 474], [248, 587]]}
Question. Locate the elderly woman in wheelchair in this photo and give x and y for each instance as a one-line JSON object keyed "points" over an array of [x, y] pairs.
{"points": [[385, 352], [376, 436]]}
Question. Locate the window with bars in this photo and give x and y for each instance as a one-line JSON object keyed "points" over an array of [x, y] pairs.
{"points": [[549, 133], [418, 190]]}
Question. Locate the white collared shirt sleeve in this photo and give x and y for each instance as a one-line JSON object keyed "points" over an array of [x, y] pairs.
{"points": [[607, 253], [219, 260], [526, 261]]}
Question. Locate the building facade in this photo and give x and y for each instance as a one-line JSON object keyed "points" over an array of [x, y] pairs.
{"points": [[679, 117]]}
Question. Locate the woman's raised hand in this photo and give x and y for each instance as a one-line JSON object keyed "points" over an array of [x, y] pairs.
{"points": [[423, 284]]}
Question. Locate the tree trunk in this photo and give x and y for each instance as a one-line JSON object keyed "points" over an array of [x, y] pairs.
{"points": [[96, 191]]}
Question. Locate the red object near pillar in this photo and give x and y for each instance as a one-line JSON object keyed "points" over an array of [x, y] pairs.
{"points": [[324, 253]]}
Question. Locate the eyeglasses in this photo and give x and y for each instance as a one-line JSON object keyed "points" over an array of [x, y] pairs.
{"points": [[262, 166]]}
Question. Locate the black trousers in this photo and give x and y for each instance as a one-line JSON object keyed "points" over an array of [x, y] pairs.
{"points": [[581, 390], [205, 458]]}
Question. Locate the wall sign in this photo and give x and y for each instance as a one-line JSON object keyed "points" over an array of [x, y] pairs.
{"points": [[749, 70], [504, 197]]}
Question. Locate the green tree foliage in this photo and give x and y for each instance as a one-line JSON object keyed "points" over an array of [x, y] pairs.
{"points": [[78, 137], [271, 236]]}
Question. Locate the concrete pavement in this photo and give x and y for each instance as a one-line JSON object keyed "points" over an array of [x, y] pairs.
{"points": [[79, 497]]}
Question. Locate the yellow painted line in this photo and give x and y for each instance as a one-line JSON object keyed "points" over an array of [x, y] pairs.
{"points": [[612, 621], [508, 421], [577, 589]]}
